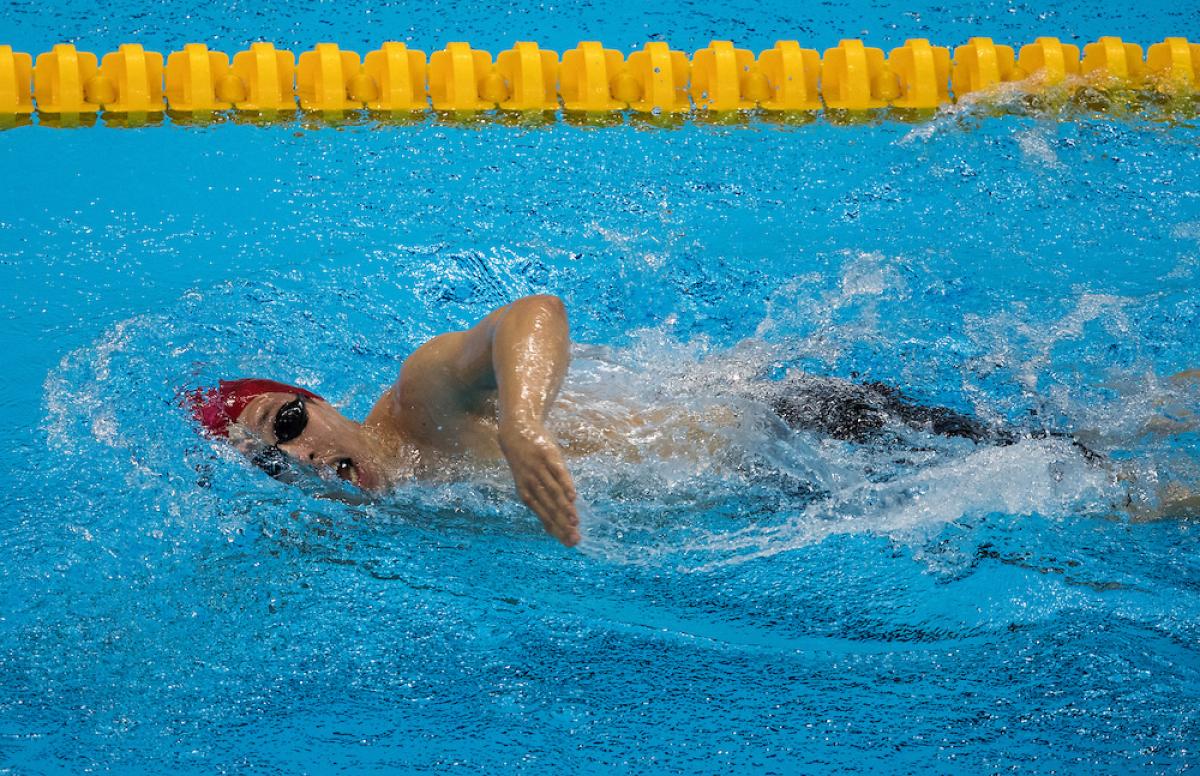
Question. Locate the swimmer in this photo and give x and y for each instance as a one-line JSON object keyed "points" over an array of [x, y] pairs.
{"points": [[485, 393]]}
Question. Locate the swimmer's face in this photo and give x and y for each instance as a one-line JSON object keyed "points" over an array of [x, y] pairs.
{"points": [[314, 434]]}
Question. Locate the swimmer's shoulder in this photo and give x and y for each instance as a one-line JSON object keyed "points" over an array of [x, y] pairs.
{"points": [[384, 416], [436, 389], [414, 388]]}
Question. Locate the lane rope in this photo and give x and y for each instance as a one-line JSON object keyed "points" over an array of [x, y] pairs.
{"points": [[64, 83]]}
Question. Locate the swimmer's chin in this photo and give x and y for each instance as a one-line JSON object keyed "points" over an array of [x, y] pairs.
{"points": [[376, 481], [368, 488]]}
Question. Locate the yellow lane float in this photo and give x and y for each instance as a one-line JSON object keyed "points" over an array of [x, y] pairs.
{"points": [[397, 75], [192, 76], [856, 78], [791, 74], [262, 80], [981, 65]]}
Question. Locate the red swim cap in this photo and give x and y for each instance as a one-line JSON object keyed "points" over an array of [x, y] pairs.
{"points": [[217, 407]]}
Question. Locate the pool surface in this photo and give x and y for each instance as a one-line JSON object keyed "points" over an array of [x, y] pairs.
{"points": [[945, 608]]}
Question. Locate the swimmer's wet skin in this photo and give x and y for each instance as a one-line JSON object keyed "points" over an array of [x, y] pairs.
{"points": [[486, 392]]}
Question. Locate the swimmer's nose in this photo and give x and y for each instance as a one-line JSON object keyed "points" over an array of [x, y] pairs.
{"points": [[300, 451]]}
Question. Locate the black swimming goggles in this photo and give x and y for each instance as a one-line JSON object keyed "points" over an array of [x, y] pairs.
{"points": [[290, 421]]}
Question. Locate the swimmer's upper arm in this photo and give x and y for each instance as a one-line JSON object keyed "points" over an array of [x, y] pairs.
{"points": [[448, 372], [468, 354], [461, 362]]}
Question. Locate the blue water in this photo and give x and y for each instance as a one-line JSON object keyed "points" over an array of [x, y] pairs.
{"points": [[166, 608]]}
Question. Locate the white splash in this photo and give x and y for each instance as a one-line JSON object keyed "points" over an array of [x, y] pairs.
{"points": [[1048, 477], [76, 388]]}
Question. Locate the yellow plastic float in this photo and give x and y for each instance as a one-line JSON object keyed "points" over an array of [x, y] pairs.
{"points": [[458, 78], [323, 78], [16, 75], [1048, 60], [192, 76], [1114, 59], [530, 76], [719, 74], [397, 74], [130, 81], [981, 65], [856, 78], [922, 72], [262, 80], [58, 79], [791, 74], [1174, 64], [662, 77], [586, 76]]}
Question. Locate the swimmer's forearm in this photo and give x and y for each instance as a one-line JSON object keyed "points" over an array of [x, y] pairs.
{"points": [[530, 351], [530, 355]]}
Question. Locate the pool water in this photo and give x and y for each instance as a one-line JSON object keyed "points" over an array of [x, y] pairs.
{"points": [[938, 608]]}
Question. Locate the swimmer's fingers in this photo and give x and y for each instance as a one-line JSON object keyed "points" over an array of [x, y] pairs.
{"points": [[539, 473], [538, 499], [557, 513], [553, 475], [563, 504], [562, 478], [556, 481]]}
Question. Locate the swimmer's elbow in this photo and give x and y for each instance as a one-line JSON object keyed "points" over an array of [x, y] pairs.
{"points": [[548, 302], [544, 312]]}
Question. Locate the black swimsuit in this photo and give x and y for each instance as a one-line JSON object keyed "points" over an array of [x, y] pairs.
{"points": [[860, 412], [864, 412]]}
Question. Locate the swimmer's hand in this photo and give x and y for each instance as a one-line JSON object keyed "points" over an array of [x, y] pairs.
{"points": [[542, 479]]}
